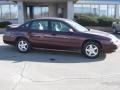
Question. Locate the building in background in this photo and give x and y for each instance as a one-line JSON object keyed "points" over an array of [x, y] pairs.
{"points": [[110, 8], [8, 11], [19, 11]]}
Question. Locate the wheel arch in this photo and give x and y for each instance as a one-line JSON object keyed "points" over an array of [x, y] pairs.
{"points": [[89, 40], [20, 37]]}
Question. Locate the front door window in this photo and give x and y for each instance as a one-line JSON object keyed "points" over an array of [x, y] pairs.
{"points": [[60, 27]]}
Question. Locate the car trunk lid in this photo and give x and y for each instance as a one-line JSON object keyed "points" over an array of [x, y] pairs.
{"points": [[13, 25]]}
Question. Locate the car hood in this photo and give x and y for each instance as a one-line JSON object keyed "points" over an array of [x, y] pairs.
{"points": [[100, 33], [103, 34]]}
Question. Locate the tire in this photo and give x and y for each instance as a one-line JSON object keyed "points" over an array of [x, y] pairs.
{"points": [[91, 50], [23, 46]]}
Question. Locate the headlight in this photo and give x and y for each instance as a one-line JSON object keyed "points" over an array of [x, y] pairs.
{"points": [[114, 38]]}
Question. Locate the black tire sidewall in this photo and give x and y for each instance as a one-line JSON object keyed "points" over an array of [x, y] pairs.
{"points": [[88, 43]]}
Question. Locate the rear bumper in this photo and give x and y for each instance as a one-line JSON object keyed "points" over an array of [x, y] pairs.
{"points": [[8, 40]]}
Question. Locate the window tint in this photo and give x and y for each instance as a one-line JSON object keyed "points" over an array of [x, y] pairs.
{"points": [[39, 25], [60, 26]]}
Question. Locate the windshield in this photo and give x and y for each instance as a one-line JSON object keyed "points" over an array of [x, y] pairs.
{"points": [[77, 26]]}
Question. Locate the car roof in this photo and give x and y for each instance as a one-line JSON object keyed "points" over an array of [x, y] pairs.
{"points": [[52, 18]]}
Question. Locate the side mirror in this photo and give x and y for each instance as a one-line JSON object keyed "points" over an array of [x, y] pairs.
{"points": [[89, 29], [71, 30]]}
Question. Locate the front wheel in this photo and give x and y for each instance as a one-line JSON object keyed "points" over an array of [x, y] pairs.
{"points": [[23, 45], [91, 50]]}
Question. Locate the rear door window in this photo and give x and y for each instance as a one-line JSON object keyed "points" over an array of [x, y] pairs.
{"points": [[39, 25]]}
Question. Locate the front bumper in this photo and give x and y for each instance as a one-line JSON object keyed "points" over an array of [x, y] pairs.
{"points": [[112, 47]]}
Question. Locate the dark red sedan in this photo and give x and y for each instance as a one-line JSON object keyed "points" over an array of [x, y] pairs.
{"points": [[60, 34]]}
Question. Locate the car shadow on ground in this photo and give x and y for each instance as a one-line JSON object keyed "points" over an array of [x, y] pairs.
{"points": [[9, 53]]}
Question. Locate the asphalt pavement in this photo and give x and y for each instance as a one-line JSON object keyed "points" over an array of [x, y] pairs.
{"points": [[50, 70]]}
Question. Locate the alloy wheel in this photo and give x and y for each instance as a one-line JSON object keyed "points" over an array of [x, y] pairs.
{"points": [[23, 46], [91, 50]]}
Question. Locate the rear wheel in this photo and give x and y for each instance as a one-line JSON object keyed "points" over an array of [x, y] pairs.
{"points": [[23, 45], [91, 50]]}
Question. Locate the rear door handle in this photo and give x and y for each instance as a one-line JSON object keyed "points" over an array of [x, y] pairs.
{"points": [[66, 37], [53, 34]]}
